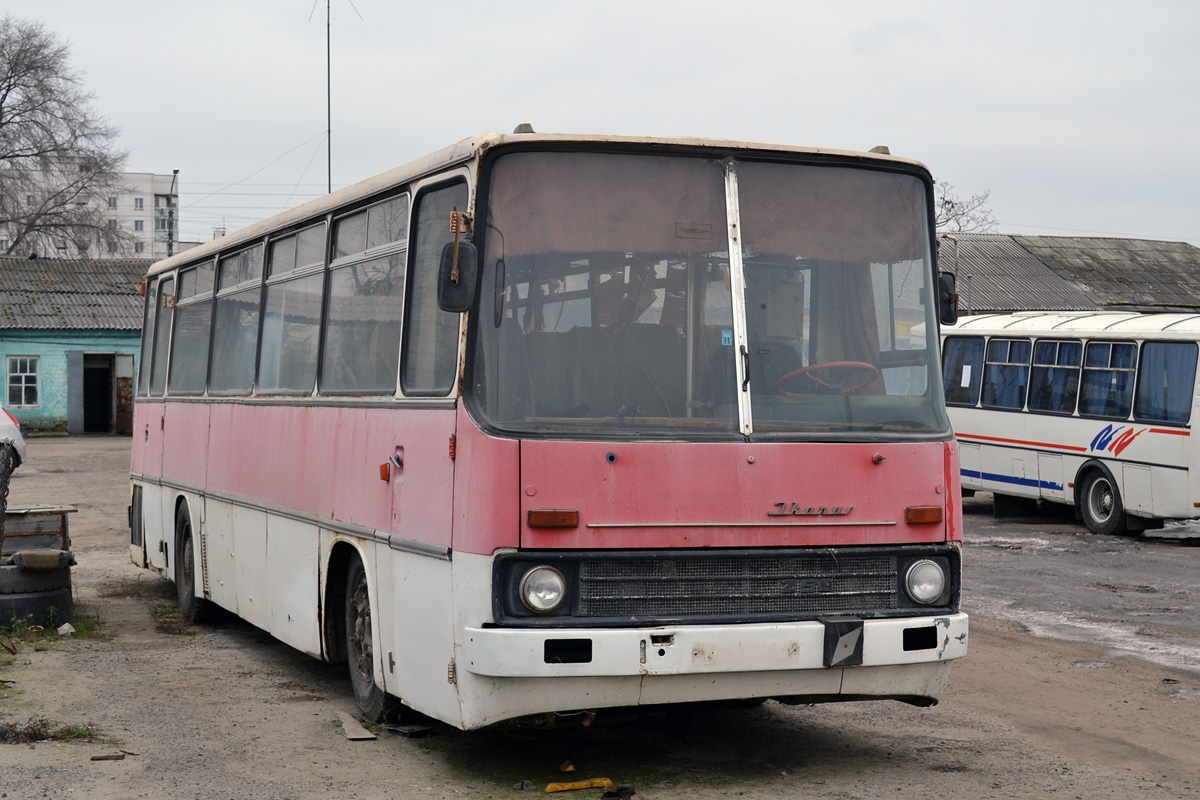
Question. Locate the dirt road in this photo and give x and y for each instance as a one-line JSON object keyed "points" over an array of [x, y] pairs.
{"points": [[227, 712]]}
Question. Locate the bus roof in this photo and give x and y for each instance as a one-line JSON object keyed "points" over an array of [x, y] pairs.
{"points": [[1080, 323], [468, 149]]}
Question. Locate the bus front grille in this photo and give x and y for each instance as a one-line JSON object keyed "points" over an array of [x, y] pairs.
{"points": [[675, 586]]}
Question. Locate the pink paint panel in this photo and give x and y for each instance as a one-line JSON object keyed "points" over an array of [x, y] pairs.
{"points": [[185, 442], [323, 460], [672, 493], [146, 457], [487, 503]]}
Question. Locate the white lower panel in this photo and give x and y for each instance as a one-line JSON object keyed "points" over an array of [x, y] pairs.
{"points": [[700, 649]]}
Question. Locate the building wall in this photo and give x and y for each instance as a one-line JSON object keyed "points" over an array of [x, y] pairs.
{"points": [[159, 217], [50, 347]]}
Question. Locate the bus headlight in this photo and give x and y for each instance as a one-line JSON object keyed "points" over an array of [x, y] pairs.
{"points": [[543, 589], [924, 581]]}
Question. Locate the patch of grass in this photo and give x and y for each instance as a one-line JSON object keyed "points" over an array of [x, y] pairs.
{"points": [[71, 734], [373, 727], [23, 631], [40, 729], [167, 620]]}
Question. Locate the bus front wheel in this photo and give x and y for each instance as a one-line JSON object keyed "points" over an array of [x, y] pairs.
{"points": [[360, 653], [1102, 508]]}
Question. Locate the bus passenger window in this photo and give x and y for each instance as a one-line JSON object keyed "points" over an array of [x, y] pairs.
{"points": [[1006, 373], [235, 338], [1108, 379], [962, 368], [1166, 379], [1054, 383], [193, 325]]}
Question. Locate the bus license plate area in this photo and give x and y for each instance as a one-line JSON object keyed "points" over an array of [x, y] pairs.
{"points": [[843, 643]]}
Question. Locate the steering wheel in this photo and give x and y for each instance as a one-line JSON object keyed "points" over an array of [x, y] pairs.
{"points": [[832, 388]]}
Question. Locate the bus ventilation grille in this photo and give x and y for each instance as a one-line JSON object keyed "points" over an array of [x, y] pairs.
{"points": [[683, 586]]}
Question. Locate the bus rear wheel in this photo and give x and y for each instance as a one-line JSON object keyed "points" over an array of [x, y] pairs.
{"points": [[1101, 507], [360, 652], [192, 609]]}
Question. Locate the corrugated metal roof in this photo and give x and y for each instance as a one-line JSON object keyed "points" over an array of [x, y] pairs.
{"points": [[1015, 273], [71, 293], [1005, 276], [1124, 272]]}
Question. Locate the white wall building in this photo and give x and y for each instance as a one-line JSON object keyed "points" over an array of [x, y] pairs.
{"points": [[148, 212]]}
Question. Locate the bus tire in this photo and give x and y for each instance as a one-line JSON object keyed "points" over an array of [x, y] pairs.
{"points": [[1101, 505], [192, 609], [360, 647]]}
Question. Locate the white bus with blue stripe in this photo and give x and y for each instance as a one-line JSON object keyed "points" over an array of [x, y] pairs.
{"points": [[1091, 409]]}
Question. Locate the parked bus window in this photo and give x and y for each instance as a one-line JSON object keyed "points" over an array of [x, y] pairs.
{"points": [[431, 335], [1108, 380], [365, 306], [963, 369], [162, 337], [1166, 379], [617, 313], [291, 327], [235, 340], [1006, 373], [193, 327], [148, 320], [1054, 382]]}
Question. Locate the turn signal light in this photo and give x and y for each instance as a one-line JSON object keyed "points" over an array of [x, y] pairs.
{"points": [[923, 515], [553, 518]]}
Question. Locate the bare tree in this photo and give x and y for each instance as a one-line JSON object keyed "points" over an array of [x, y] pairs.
{"points": [[58, 159], [956, 215]]}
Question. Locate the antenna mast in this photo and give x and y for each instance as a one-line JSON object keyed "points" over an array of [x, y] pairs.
{"points": [[328, 106]]}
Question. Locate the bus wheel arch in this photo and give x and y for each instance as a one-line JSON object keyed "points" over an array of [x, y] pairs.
{"points": [[348, 628], [1098, 498], [192, 607]]}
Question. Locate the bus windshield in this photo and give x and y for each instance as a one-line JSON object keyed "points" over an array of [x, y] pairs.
{"points": [[611, 305]]}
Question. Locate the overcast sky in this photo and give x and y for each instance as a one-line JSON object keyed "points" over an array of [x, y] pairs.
{"points": [[1081, 118]]}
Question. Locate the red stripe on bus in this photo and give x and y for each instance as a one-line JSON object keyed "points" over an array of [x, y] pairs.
{"points": [[1173, 433], [1021, 441]]}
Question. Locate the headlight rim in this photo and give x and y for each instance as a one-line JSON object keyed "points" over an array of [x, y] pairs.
{"points": [[523, 583], [908, 581]]}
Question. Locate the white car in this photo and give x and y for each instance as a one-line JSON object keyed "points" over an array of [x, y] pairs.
{"points": [[10, 433]]}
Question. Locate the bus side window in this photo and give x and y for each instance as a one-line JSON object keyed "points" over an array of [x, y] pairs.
{"points": [[1054, 383], [430, 358], [1108, 379], [193, 326], [235, 335], [1006, 373], [962, 362], [162, 337], [1166, 379], [147, 354]]}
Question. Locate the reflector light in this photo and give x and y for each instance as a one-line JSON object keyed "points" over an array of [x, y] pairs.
{"points": [[553, 518], [923, 515], [385, 472]]}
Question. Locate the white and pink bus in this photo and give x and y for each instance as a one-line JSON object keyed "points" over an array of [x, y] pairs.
{"points": [[543, 424]]}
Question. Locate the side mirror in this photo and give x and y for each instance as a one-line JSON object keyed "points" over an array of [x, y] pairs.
{"points": [[947, 299], [456, 276]]}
